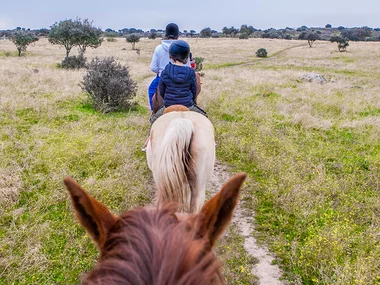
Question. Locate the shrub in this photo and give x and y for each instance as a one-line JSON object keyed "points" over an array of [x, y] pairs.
{"points": [[111, 39], [311, 38], [302, 36], [261, 52], [198, 63], [372, 39], [133, 39], [343, 46], [231, 31], [109, 85], [152, 35], [247, 29], [356, 34], [110, 33], [243, 36], [302, 28], [74, 62], [22, 39], [342, 43], [205, 33]]}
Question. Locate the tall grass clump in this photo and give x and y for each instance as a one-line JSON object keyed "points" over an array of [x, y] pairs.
{"points": [[109, 85]]}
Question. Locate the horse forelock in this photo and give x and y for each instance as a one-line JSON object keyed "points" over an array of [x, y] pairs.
{"points": [[155, 247]]}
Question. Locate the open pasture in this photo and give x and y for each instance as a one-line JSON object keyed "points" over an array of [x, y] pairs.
{"points": [[311, 151]]}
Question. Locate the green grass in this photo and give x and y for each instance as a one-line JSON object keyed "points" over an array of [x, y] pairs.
{"points": [[323, 70], [9, 53], [370, 112], [314, 189], [344, 59], [82, 143], [207, 66], [41, 239], [4, 53], [237, 264], [316, 194]]}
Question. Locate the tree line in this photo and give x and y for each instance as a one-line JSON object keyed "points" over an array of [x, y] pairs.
{"points": [[245, 31], [82, 34]]}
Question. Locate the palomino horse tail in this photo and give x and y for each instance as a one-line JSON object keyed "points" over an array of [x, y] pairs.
{"points": [[171, 171]]}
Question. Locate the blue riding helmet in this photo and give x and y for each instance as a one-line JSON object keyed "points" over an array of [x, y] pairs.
{"points": [[179, 50]]}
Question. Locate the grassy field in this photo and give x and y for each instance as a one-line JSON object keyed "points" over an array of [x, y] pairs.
{"points": [[312, 152]]}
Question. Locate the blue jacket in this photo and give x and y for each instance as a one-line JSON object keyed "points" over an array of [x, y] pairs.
{"points": [[178, 85]]}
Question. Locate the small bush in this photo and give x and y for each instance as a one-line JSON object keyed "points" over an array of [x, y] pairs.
{"points": [[198, 63], [74, 62], [261, 52], [152, 35], [243, 36], [109, 85], [111, 39], [133, 39], [342, 43]]}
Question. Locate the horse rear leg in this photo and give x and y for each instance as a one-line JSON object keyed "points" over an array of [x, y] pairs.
{"points": [[197, 185]]}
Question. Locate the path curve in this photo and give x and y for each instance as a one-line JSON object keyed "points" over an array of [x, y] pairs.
{"points": [[266, 272]]}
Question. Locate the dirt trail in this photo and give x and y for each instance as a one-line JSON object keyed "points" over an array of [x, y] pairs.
{"points": [[264, 270]]}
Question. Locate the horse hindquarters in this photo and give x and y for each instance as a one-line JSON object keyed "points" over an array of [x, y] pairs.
{"points": [[202, 163], [171, 162]]}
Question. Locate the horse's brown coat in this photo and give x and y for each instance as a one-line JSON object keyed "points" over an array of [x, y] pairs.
{"points": [[155, 246]]}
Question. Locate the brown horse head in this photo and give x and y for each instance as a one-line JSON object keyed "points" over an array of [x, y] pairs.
{"points": [[156, 246], [176, 108]]}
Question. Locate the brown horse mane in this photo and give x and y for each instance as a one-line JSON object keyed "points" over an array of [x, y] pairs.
{"points": [[153, 246]]}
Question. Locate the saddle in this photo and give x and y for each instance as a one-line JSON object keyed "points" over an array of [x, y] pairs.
{"points": [[174, 108]]}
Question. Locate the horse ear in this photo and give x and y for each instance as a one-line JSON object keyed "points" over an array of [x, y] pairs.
{"points": [[92, 215], [216, 214]]}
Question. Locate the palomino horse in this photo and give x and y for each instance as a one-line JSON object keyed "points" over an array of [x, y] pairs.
{"points": [[181, 155], [156, 246]]}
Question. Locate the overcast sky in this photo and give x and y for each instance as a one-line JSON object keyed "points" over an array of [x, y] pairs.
{"points": [[196, 15]]}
